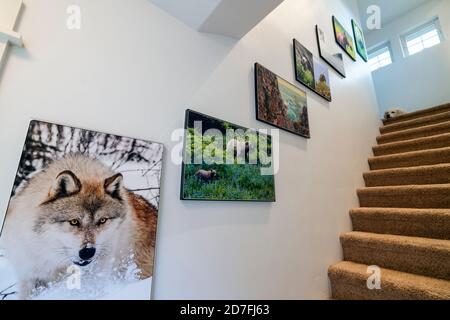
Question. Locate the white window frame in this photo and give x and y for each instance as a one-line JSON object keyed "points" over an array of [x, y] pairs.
{"points": [[378, 50], [418, 32]]}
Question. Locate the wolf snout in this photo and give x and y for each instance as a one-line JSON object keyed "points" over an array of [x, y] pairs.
{"points": [[87, 253]]}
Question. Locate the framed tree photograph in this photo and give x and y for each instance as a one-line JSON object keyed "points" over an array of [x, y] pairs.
{"points": [[344, 39], [82, 217], [328, 51], [360, 41], [280, 103], [311, 72]]}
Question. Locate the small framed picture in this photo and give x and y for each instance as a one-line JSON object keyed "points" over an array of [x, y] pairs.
{"points": [[311, 72], [328, 51], [344, 39], [280, 103], [360, 41]]}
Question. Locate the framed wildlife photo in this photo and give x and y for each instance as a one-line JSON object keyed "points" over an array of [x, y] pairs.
{"points": [[329, 52], [81, 221], [311, 72], [344, 39], [225, 162], [280, 103], [360, 41]]}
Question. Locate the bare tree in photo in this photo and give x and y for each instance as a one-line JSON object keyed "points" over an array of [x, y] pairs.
{"points": [[47, 142]]}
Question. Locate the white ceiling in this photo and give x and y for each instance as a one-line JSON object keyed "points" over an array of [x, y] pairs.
{"points": [[390, 9], [192, 12], [231, 18]]}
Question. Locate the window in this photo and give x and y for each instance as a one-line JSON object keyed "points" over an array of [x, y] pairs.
{"points": [[426, 36], [380, 57]]}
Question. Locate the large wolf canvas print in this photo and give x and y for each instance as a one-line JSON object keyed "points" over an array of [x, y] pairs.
{"points": [[81, 222]]}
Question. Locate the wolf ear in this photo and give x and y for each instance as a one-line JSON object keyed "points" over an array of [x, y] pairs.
{"points": [[114, 185], [65, 185]]}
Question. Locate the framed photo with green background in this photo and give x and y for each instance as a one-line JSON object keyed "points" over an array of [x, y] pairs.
{"points": [[311, 72], [225, 162], [344, 39], [360, 42]]}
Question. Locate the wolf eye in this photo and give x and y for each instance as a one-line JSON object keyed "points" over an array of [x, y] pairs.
{"points": [[102, 221], [74, 222]]}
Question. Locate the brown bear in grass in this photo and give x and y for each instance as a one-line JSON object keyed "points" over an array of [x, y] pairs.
{"points": [[206, 176]]}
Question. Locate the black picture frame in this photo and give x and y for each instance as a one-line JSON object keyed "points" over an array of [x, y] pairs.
{"points": [[323, 54], [348, 37], [315, 63], [306, 133], [362, 51], [183, 166]]}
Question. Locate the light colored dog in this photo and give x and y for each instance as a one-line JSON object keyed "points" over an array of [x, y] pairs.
{"points": [[393, 113]]}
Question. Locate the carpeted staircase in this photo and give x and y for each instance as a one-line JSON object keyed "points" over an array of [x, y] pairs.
{"points": [[403, 225]]}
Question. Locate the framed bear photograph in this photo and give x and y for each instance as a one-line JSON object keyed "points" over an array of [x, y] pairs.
{"points": [[225, 162], [82, 218]]}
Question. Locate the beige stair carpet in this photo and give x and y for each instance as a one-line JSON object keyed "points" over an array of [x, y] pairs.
{"points": [[403, 226]]}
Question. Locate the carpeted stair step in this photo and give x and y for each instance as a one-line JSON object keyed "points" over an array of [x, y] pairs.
{"points": [[415, 123], [427, 143], [411, 159], [419, 114], [426, 223], [349, 282], [421, 175], [435, 196], [421, 256], [415, 133]]}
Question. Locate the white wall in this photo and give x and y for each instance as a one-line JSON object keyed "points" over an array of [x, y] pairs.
{"points": [[132, 70], [421, 80]]}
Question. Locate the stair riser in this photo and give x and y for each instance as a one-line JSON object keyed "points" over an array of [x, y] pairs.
{"points": [[414, 160], [408, 177], [405, 259], [425, 227], [384, 149], [348, 288], [418, 123], [412, 199], [433, 111], [396, 137]]}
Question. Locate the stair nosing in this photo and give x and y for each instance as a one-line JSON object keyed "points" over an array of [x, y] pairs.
{"points": [[417, 168], [418, 121], [399, 275], [418, 114], [409, 153], [398, 240], [412, 130]]}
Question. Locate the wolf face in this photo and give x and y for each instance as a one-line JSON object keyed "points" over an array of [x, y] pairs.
{"points": [[79, 219], [77, 211]]}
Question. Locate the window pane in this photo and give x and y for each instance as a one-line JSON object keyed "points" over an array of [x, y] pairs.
{"points": [[384, 63], [431, 42], [415, 49], [414, 42], [426, 36], [384, 55], [375, 67], [430, 34], [380, 58]]}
